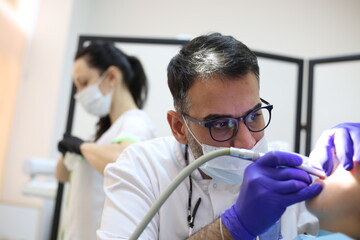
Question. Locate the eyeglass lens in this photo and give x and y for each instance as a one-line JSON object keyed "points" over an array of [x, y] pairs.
{"points": [[256, 121]]}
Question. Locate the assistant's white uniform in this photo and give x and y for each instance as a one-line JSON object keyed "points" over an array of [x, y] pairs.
{"points": [[135, 181], [85, 196]]}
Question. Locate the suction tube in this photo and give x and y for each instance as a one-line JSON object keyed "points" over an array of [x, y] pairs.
{"points": [[173, 185]]}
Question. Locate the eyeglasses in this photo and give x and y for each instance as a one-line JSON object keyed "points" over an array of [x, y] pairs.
{"points": [[223, 129]]}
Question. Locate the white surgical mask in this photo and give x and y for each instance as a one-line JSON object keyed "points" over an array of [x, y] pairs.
{"points": [[227, 168], [93, 101]]}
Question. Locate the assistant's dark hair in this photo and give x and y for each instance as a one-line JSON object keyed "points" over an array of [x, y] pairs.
{"points": [[207, 57], [101, 55]]}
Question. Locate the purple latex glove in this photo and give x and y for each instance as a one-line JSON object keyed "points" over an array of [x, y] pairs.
{"points": [[268, 188], [341, 142]]}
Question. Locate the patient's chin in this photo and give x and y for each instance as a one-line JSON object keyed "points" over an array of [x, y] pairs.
{"points": [[312, 205], [319, 203], [316, 207]]}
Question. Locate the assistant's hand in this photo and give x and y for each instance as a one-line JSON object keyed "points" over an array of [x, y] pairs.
{"points": [[268, 188], [70, 144], [343, 140]]}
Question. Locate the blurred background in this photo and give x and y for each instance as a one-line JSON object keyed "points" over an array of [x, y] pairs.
{"points": [[38, 40]]}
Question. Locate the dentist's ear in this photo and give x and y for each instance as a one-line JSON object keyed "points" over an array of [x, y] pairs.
{"points": [[177, 125]]}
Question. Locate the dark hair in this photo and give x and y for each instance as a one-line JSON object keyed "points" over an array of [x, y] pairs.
{"points": [[207, 57], [101, 55]]}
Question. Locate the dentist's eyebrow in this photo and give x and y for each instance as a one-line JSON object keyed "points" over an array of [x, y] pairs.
{"points": [[211, 117]]}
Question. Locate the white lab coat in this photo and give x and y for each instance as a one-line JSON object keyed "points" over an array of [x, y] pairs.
{"points": [[144, 170], [85, 196]]}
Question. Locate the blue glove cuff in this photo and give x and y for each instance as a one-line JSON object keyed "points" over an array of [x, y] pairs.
{"points": [[234, 226]]}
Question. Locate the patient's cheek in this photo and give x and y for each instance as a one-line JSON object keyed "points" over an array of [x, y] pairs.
{"points": [[335, 187]]}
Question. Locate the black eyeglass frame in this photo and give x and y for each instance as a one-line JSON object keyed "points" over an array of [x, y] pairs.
{"points": [[209, 124]]}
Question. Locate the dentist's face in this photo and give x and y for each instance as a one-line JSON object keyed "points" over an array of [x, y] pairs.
{"points": [[216, 98]]}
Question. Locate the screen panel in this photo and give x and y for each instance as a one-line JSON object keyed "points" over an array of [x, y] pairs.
{"points": [[279, 86], [335, 96], [155, 59]]}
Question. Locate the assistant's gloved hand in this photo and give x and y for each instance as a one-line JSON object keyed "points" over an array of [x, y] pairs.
{"points": [[343, 140], [268, 188], [70, 144]]}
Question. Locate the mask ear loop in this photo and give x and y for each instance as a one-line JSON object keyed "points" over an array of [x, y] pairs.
{"points": [[101, 80], [187, 126], [103, 75]]}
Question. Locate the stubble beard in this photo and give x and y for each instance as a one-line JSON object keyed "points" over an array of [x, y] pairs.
{"points": [[194, 146]]}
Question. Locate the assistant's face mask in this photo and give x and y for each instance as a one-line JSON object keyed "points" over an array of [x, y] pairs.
{"points": [[227, 168], [93, 101]]}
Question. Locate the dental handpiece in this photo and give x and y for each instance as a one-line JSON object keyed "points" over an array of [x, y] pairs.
{"points": [[253, 156]]}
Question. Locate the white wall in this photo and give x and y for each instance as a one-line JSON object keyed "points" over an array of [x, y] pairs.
{"points": [[38, 96], [302, 29]]}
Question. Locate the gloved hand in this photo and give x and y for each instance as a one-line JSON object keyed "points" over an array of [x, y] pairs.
{"points": [[343, 140], [70, 144], [268, 188]]}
